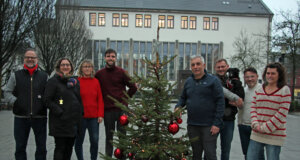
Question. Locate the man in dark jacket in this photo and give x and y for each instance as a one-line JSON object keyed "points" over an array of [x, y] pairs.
{"points": [[24, 91], [204, 99], [226, 133], [113, 81]]}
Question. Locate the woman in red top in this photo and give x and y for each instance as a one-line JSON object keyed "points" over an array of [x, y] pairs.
{"points": [[90, 92]]}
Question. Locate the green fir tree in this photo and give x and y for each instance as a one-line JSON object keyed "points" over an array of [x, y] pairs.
{"points": [[148, 136]]}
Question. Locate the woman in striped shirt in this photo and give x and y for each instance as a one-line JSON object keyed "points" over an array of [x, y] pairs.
{"points": [[268, 113]]}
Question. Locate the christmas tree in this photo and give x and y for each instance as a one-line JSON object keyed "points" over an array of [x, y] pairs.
{"points": [[150, 123]]}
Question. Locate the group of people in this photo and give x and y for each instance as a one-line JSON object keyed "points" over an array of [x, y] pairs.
{"points": [[212, 102], [75, 103], [80, 103]]}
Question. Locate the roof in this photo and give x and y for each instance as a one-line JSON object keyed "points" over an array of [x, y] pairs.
{"points": [[217, 6]]}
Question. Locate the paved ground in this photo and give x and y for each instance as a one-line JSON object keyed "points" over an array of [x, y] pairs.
{"points": [[290, 151]]}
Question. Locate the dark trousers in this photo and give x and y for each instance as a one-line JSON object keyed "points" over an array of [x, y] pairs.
{"points": [[245, 133], [205, 142], [111, 119], [92, 125], [22, 128], [63, 148]]}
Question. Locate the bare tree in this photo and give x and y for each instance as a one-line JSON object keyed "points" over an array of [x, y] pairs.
{"points": [[287, 35], [63, 34], [250, 51], [17, 20]]}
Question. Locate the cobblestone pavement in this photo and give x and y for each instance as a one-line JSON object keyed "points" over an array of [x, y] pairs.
{"points": [[290, 151]]}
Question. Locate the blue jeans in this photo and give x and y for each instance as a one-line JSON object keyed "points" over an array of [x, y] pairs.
{"points": [[226, 135], [255, 148], [92, 125], [245, 133], [22, 128]]}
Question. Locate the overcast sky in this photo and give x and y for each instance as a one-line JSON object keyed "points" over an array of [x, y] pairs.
{"points": [[277, 5]]}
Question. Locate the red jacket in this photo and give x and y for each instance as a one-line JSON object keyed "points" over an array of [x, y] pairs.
{"points": [[91, 95]]}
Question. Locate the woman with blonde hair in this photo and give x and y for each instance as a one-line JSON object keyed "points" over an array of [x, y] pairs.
{"points": [[90, 92]]}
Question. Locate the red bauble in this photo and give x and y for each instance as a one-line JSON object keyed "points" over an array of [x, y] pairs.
{"points": [[123, 120], [179, 120], [118, 153], [130, 155], [173, 128], [183, 159], [144, 118]]}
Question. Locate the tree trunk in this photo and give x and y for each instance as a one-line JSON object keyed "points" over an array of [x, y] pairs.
{"points": [[293, 80]]}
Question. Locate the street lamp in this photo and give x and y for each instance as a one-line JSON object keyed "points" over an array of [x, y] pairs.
{"points": [[283, 52]]}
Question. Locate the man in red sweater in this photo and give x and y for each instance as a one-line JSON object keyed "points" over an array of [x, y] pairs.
{"points": [[113, 81]]}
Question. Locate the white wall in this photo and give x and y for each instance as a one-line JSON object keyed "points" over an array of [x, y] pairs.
{"points": [[229, 29]]}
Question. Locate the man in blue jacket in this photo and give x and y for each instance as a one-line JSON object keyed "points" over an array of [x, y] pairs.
{"points": [[204, 99]]}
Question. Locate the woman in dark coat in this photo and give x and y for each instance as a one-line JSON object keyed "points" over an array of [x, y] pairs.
{"points": [[62, 97]]}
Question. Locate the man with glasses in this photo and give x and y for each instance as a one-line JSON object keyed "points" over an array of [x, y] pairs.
{"points": [[244, 116], [226, 133], [24, 91]]}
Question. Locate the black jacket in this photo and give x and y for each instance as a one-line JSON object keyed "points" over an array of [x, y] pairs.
{"points": [[29, 91], [65, 105], [235, 86]]}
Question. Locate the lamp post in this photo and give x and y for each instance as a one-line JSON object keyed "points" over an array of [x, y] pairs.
{"points": [[283, 52]]}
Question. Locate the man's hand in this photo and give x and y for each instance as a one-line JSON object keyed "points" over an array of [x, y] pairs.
{"points": [[214, 130], [239, 103], [177, 110], [100, 119]]}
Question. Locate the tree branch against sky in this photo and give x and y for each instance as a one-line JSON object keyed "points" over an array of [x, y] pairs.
{"points": [[249, 51], [63, 34], [287, 35], [17, 20]]}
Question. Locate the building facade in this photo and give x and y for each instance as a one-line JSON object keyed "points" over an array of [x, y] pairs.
{"points": [[186, 27]]}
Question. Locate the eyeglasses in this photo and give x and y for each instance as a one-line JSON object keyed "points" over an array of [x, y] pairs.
{"points": [[65, 65], [87, 66], [26, 57]]}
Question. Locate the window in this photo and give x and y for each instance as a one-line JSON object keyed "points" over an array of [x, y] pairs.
{"points": [[139, 20], [161, 21], [170, 22], [124, 20], [215, 23], [184, 22], [193, 22], [92, 19], [181, 55], [116, 19], [136, 51], [101, 19], [172, 63], [147, 21], [206, 24]]}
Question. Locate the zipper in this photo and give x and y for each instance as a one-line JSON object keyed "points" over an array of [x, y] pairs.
{"points": [[31, 96]]}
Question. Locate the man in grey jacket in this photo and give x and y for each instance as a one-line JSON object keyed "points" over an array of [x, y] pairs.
{"points": [[244, 117], [24, 91]]}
